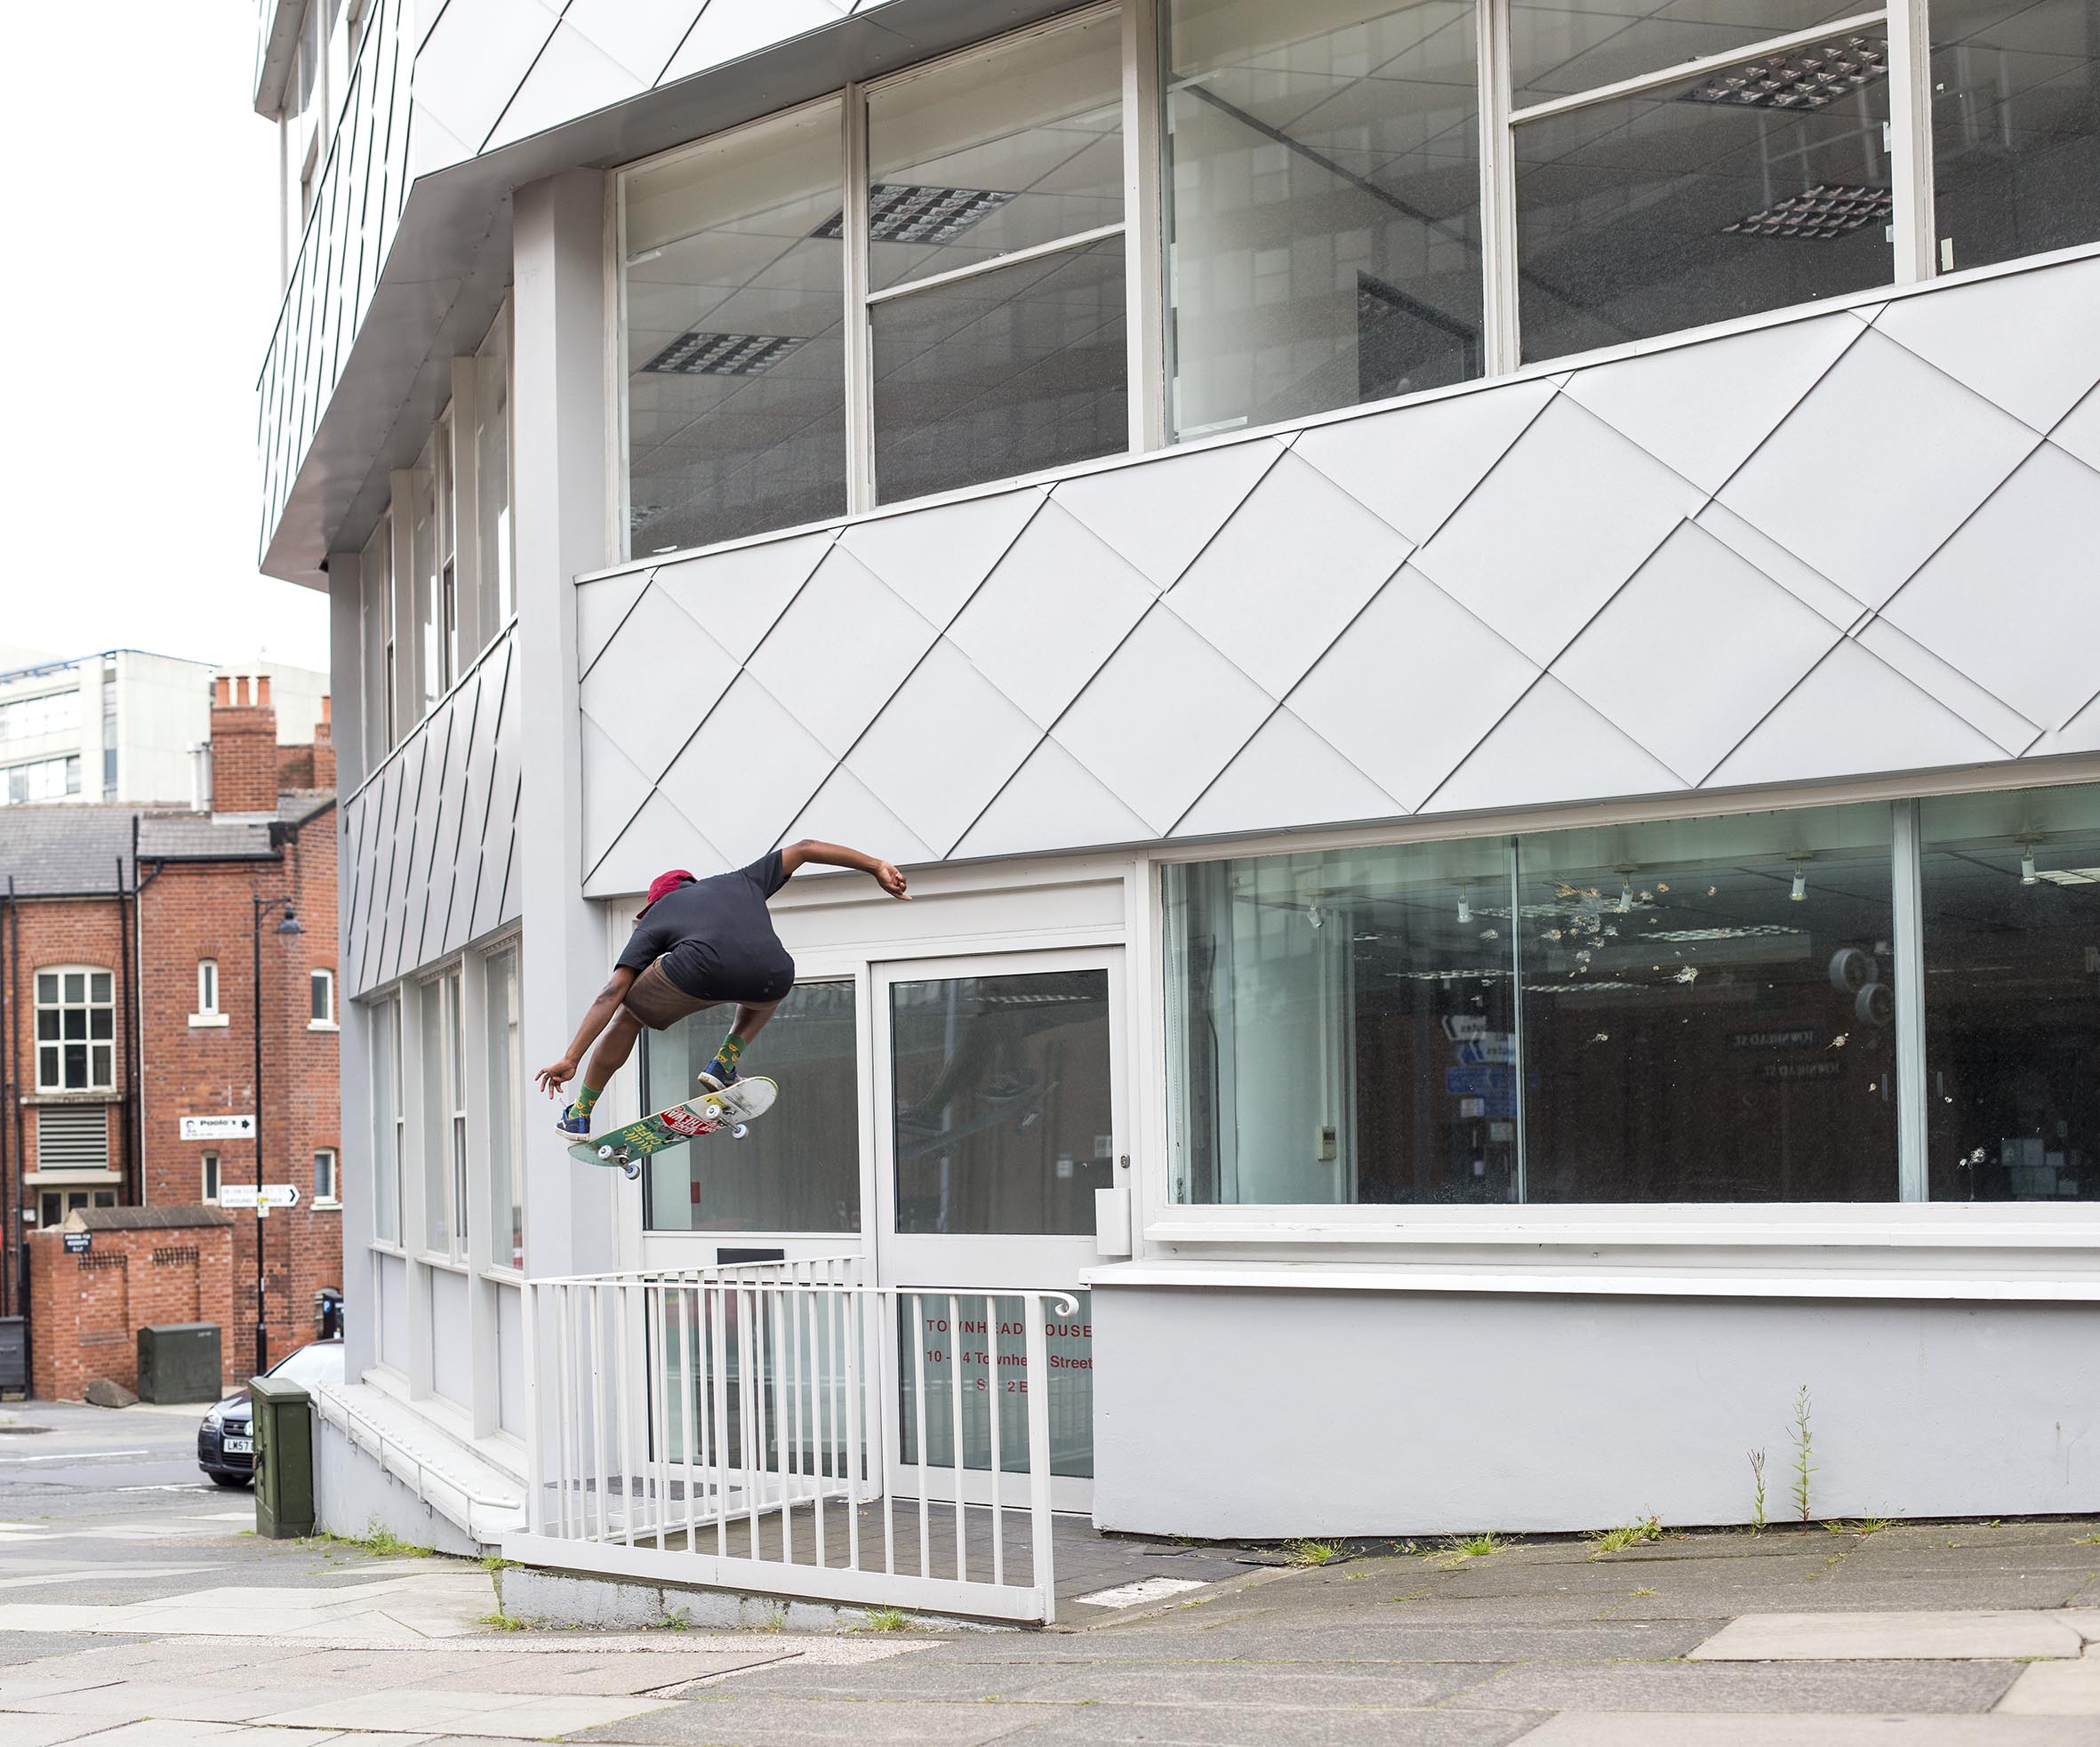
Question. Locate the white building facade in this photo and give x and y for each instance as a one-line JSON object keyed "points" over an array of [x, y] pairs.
{"points": [[1473, 622]]}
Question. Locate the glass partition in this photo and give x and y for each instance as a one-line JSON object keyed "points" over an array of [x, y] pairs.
{"points": [[2011, 890], [1323, 183]]}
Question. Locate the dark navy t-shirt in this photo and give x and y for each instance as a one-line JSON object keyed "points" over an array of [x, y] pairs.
{"points": [[715, 936]]}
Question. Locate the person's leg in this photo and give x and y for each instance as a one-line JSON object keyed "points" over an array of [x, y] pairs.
{"points": [[751, 1020], [615, 1044]]}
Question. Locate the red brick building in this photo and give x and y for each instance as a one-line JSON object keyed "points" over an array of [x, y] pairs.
{"points": [[130, 942]]}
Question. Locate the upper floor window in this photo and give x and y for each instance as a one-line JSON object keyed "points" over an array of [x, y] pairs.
{"points": [[208, 1189], [40, 779], [496, 588], [327, 1185], [75, 1029], [207, 994], [322, 993], [51, 713]]}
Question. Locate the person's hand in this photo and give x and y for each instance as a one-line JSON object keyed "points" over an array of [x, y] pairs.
{"points": [[552, 1080], [890, 880]]}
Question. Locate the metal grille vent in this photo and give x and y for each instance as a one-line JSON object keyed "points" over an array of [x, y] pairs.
{"points": [[73, 1140]]}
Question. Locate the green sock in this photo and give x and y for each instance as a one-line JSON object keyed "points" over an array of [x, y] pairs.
{"points": [[732, 1047], [586, 1096]]}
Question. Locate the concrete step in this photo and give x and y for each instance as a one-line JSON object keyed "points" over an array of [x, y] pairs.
{"points": [[452, 1480]]}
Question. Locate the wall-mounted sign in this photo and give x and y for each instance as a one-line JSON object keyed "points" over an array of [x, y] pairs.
{"points": [[248, 1195], [79, 1243], [218, 1127]]}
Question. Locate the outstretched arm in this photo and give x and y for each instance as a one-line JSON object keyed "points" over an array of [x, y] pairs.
{"points": [[837, 855], [600, 1014]]}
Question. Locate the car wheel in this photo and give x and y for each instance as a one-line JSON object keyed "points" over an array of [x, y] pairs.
{"points": [[230, 1481]]}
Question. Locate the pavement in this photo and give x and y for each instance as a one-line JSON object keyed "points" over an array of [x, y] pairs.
{"points": [[137, 1607]]}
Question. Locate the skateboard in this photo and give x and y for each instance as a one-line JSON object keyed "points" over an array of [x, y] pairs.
{"points": [[737, 1104]]}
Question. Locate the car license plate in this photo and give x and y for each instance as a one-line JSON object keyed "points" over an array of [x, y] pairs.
{"points": [[239, 1446]]}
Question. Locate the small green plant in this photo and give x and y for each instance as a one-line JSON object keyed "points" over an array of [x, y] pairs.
{"points": [[1313, 1552], [1644, 1593], [1626, 1534], [1475, 1546], [1404, 1547], [503, 1622], [497, 1562], [1804, 1443], [886, 1618], [677, 1619], [776, 1621], [2076, 1541], [1865, 1526], [1757, 1491]]}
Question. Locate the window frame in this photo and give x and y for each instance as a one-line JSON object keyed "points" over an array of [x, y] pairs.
{"points": [[209, 1012], [210, 1176], [333, 1197], [322, 978], [89, 1006]]}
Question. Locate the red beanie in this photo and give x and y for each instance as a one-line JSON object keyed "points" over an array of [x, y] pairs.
{"points": [[668, 882]]}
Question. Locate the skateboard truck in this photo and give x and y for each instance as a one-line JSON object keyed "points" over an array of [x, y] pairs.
{"points": [[621, 1157]]}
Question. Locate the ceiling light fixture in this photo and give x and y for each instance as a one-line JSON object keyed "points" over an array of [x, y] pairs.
{"points": [[1465, 908], [1827, 210], [699, 353], [908, 212], [1800, 888], [2027, 873], [1810, 78], [1626, 875]]}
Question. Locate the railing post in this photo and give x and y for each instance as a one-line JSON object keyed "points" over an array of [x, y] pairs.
{"points": [[535, 1512], [1042, 1565]]}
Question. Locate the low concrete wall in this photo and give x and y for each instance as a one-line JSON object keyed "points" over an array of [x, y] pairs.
{"points": [[352, 1494], [1246, 1413]]}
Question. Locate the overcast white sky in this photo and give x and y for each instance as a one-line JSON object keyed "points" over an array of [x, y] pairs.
{"points": [[141, 188]]}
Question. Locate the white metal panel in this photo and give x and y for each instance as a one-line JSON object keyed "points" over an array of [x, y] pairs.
{"points": [[1703, 409], [2080, 431], [1408, 735], [1162, 719], [935, 557], [1899, 491], [2011, 732], [1569, 514], [600, 608], [572, 77], [740, 595], [1286, 775], [1294, 564], [1692, 653], [496, 896], [614, 791], [743, 777], [843, 811], [842, 648], [1853, 713], [1122, 504], [1993, 602], [2030, 344], [486, 690], [943, 747], [1551, 746], [1814, 589], [640, 34], [1049, 615], [658, 653], [1416, 465], [472, 62], [408, 803], [727, 30], [1051, 801], [657, 839]]}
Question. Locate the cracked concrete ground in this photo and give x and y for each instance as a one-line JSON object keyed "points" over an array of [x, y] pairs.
{"points": [[134, 1613]]}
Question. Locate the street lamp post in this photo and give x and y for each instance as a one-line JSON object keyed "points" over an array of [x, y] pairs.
{"points": [[288, 926]]}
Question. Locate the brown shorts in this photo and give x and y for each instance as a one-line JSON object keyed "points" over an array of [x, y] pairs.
{"points": [[659, 1003]]}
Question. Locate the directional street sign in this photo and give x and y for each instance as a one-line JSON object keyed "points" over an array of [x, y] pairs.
{"points": [[218, 1127], [247, 1195]]}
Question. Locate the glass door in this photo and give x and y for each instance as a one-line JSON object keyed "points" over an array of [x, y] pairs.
{"points": [[999, 1112]]}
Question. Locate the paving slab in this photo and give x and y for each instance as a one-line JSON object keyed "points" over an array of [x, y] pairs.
{"points": [[1952, 1687], [1117, 1725], [1888, 1637], [39, 1731], [2056, 1689], [767, 1720], [1624, 1729], [1335, 1687]]}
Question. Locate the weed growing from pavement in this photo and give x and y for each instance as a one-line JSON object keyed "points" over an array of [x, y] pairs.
{"points": [[678, 1619], [1626, 1534], [1865, 1526], [497, 1562], [886, 1618], [503, 1622], [1475, 1546], [1314, 1552], [2076, 1541], [776, 1621], [1804, 1445], [1757, 1491], [1644, 1593]]}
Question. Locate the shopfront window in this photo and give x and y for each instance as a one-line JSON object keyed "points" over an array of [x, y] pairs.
{"points": [[798, 1169], [2011, 899], [1324, 185], [1681, 1011], [2016, 128]]}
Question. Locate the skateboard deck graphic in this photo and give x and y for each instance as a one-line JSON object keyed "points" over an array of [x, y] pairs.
{"points": [[704, 1114]]}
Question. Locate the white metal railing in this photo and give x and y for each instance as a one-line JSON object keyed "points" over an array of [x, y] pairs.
{"points": [[782, 1428]]}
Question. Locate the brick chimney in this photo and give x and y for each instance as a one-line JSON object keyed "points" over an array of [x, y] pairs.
{"points": [[324, 749], [243, 746]]}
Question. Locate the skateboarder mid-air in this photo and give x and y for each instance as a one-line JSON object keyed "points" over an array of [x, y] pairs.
{"points": [[697, 943]]}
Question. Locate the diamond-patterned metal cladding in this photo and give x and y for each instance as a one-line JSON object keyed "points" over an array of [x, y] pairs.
{"points": [[1844, 543]]}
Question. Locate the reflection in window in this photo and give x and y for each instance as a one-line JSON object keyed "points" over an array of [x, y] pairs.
{"points": [[2011, 890], [1022, 367], [735, 372], [1325, 229], [798, 1167], [1687, 204], [1002, 1102], [1563, 46], [2016, 128], [1698, 1010], [1709, 1010], [988, 1340], [506, 1085]]}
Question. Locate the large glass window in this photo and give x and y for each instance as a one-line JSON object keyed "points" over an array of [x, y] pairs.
{"points": [[1760, 185], [493, 582], [1002, 1102], [734, 290], [445, 1118], [1022, 367], [2011, 898], [506, 1082], [389, 1137], [1694, 1010], [798, 1168], [76, 1030], [2016, 127], [40, 779], [53, 713], [1325, 197]]}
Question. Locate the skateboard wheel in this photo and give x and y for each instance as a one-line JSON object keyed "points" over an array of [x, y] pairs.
{"points": [[629, 1170], [604, 1153], [739, 1132]]}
